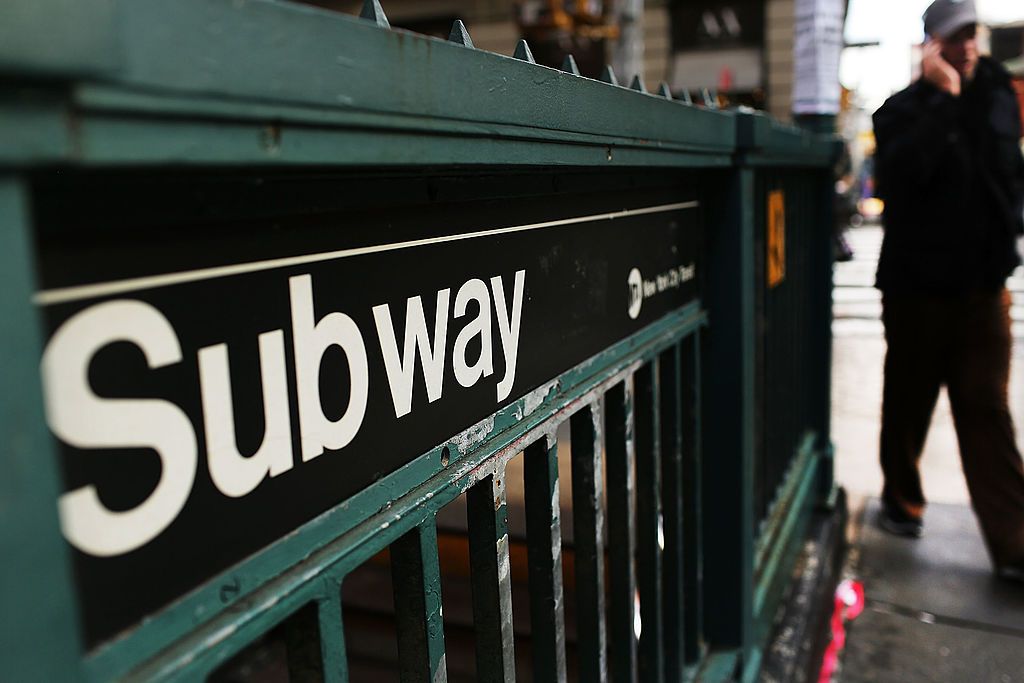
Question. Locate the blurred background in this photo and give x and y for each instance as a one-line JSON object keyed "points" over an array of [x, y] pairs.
{"points": [[724, 52]]}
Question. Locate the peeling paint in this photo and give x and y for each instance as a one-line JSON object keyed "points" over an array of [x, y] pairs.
{"points": [[556, 526], [441, 673], [536, 398], [503, 563], [476, 434]]}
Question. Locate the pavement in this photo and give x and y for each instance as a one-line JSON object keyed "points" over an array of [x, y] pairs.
{"points": [[933, 610]]}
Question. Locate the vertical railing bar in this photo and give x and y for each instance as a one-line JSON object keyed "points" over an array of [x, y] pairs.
{"points": [[619, 463], [544, 557], [303, 644], [332, 633], [649, 521], [673, 500], [690, 408], [487, 515], [588, 543], [760, 342], [416, 578]]}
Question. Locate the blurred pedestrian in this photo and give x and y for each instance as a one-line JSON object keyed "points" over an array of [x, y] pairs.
{"points": [[950, 171], [844, 205]]}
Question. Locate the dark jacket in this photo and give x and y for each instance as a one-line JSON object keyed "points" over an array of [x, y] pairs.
{"points": [[952, 177]]}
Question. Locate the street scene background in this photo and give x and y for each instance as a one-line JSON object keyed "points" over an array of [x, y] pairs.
{"points": [[933, 610]]}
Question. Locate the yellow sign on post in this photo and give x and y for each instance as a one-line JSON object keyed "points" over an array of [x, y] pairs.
{"points": [[776, 237]]}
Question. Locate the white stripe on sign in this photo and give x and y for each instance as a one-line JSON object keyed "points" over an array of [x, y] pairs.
{"points": [[61, 295]]}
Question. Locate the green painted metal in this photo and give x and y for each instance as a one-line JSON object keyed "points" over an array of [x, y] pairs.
{"points": [[649, 526], [795, 335], [33, 128], [332, 633], [783, 502], [264, 50], [417, 578], [109, 125], [728, 401], [674, 556], [767, 143], [544, 542], [227, 87], [299, 74], [58, 38], [620, 464], [35, 577], [777, 539], [774, 569], [690, 384], [718, 667], [588, 543], [487, 511], [395, 517], [348, 535], [745, 567]]}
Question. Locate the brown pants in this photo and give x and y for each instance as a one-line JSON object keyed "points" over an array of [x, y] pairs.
{"points": [[965, 343]]}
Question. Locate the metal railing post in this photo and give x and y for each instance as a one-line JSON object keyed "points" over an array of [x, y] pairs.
{"points": [[728, 411], [35, 576]]}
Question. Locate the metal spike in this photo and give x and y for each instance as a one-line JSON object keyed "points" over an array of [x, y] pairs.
{"points": [[524, 53], [460, 35], [665, 91], [608, 75], [375, 13], [569, 66], [638, 84], [686, 96]]}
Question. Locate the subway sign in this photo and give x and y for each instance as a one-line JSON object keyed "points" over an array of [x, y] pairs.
{"points": [[209, 402]]}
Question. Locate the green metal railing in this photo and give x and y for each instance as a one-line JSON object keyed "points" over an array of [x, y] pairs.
{"points": [[214, 164]]}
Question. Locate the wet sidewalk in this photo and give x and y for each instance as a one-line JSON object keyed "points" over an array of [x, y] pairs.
{"points": [[934, 611]]}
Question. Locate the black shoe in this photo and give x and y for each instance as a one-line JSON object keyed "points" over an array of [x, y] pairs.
{"points": [[899, 523]]}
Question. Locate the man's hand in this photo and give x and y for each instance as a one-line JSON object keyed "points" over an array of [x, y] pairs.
{"points": [[938, 71]]}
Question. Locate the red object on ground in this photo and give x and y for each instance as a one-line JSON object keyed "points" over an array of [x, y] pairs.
{"points": [[849, 603]]}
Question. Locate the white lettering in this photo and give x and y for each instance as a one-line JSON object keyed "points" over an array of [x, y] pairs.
{"points": [[84, 420], [400, 372], [508, 327], [312, 339], [480, 326], [234, 474]]}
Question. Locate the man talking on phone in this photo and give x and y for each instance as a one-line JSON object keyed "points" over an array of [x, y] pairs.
{"points": [[950, 171]]}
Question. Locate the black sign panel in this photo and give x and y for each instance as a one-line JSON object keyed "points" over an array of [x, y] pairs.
{"points": [[212, 394]]}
